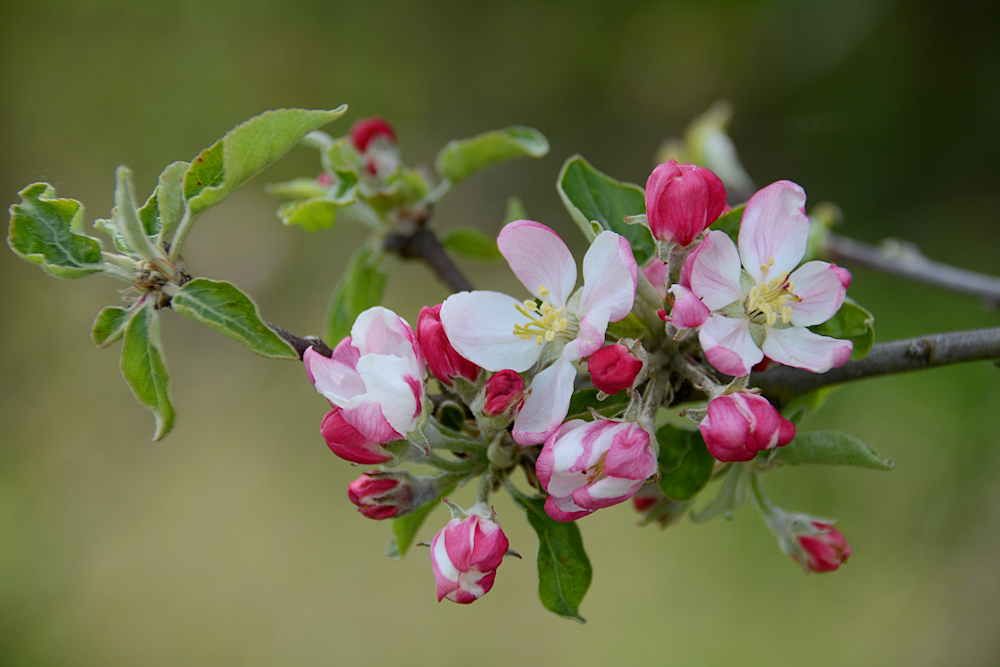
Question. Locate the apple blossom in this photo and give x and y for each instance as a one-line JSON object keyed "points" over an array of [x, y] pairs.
{"points": [[682, 200], [498, 332], [823, 551], [503, 393], [585, 466], [376, 141], [613, 368], [465, 555], [391, 493], [442, 360], [761, 304], [741, 424]]}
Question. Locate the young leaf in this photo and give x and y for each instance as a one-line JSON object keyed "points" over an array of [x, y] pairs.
{"points": [[564, 571], [298, 188], [591, 196], [582, 401], [49, 232], [470, 243], [462, 158], [851, 322], [360, 288], [309, 214], [127, 218], [144, 369], [245, 151], [829, 448], [801, 406], [685, 464], [629, 327], [223, 307], [733, 494], [729, 222], [404, 529], [169, 194], [109, 326]]}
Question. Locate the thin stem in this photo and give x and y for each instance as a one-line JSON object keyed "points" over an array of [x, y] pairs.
{"points": [[781, 384], [696, 375], [655, 391], [424, 245], [904, 259], [451, 465]]}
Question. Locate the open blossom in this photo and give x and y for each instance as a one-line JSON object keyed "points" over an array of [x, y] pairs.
{"points": [[498, 332], [442, 360], [682, 200], [761, 304], [465, 555], [374, 381], [740, 425], [825, 550], [585, 466]]}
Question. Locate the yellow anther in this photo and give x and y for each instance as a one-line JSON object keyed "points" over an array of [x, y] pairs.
{"points": [[767, 301], [543, 291], [530, 305]]}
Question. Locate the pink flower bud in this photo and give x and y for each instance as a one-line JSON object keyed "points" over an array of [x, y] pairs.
{"points": [[349, 443], [613, 368], [825, 550], [367, 129], [443, 361], [504, 394], [740, 425], [376, 495], [465, 555], [682, 200]]}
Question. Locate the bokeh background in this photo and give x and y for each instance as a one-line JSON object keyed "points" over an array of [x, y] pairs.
{"points": [[232, 542]]}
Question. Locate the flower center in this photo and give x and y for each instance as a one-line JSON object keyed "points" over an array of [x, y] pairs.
{"points": [[768, 301], [546, 321], [597, 470]]}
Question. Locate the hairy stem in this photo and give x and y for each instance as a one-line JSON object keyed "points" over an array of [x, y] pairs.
{"points": [[781, 384]]}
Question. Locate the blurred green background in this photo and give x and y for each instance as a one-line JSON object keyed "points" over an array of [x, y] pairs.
{"points": [[232, 541]]}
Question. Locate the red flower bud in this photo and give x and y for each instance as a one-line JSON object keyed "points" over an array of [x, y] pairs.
{"points": [[682, 200], [443, 361], [367, 129], [388, 494], [740, 425], [824, 551], [504, 393], [613, 368]]}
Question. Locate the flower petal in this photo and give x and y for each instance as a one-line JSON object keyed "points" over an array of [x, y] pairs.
{"points": [[610, 275], [547, 405], [378, 330], [538, 257], [590, 337], [564, 457], [564, 509], [606, 492], [656, 273], [801, 348], [390, 382], [337, 381], [821, 289], [715, 274], [480, 326], [728, 344], [774, 226], [350, 444], [689, 312]]}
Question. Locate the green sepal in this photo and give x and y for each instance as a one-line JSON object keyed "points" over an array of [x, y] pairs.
{"points": [[49, 232], [564, 570], [109, 325], [405, 187], [582, 401], [404, 529], [853, 323], [144, 368], [360, 288], [470, 243], [462, 158], [245, 151], [685, 464], [827, 448], [733, 494], [729, 222], [629, 327], [221, 306], [591, 196]]}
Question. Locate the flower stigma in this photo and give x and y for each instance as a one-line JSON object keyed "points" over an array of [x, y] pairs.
{"points": [[768, 301]]}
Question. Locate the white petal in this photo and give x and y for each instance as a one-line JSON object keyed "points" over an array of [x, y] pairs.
{"points": [[547, 405], [774, 226], [728, 344], [819, 286], [385, 379], [609, 276], [802, 348], [378, 330], [715, 276], [591, 336], [338, 382], [538, 257], [480, 326]]}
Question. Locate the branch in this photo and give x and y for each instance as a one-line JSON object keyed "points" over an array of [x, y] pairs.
{"points": [[424, 245], [904, 259], [782, 383], [302, 344]]}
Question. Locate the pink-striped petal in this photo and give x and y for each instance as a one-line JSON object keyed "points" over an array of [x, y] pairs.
{"points": [[564, 509], [610, 275], [480, 326], [656, 273], [390, 382], [547, 405], [378, 330], [801, 348], [590, 338], [689, 311], [338, 382], [715, 274], [538, 257], [728, 344], [563, 458], [606, 492], [350, 444], [820, 286], [774, 226]]}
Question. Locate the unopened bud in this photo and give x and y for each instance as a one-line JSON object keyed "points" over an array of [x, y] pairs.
{"points": [[367, 129], [443, 361], [682, 200], [823, 551], [503, 394], [390, 494], [739, 425], [614, 368]]}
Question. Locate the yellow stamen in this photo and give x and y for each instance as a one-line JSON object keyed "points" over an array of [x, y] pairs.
{"points": [[546, 321], [597, 470], [768, 301]]}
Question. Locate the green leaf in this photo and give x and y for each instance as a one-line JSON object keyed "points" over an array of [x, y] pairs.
{"points": [[169, 195], [801, 406], [581, 401], [109, 326], [685, 464], [144, 369], [590, 196], [309, 214], [729, 222], [360, 288], [470, 243], [462, 158], [829, 448], [223, 307], [630, 327], [299, 188], [404, 529], [564, 571], [49, 232], [852, 322], [126, 216], [733, 494], [245, 151]]}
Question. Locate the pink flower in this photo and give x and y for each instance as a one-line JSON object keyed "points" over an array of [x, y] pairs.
{"points": [[374, 381], [375, 495], [825, 550], [585, 466], [613, 368], [761, 304], [503, 394], [442, 360], [740, 425], [465, 555], [682, 200], [365, 130], [498, 332]]}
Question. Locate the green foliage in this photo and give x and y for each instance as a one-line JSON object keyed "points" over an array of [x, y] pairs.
{"points": [[851, 322], [685, 464], [360, 288], [126, 218], [309, 214], [828, 448], [144, 368], [733, 494], [582, 401], [169, 195], [729, 222], [801, 406], [223, 307], [404, 529], [470, 243], [109, 326], [460, 159], [49, 232], [591, 196], [564, 571], [515, 210], [629, 327]]}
